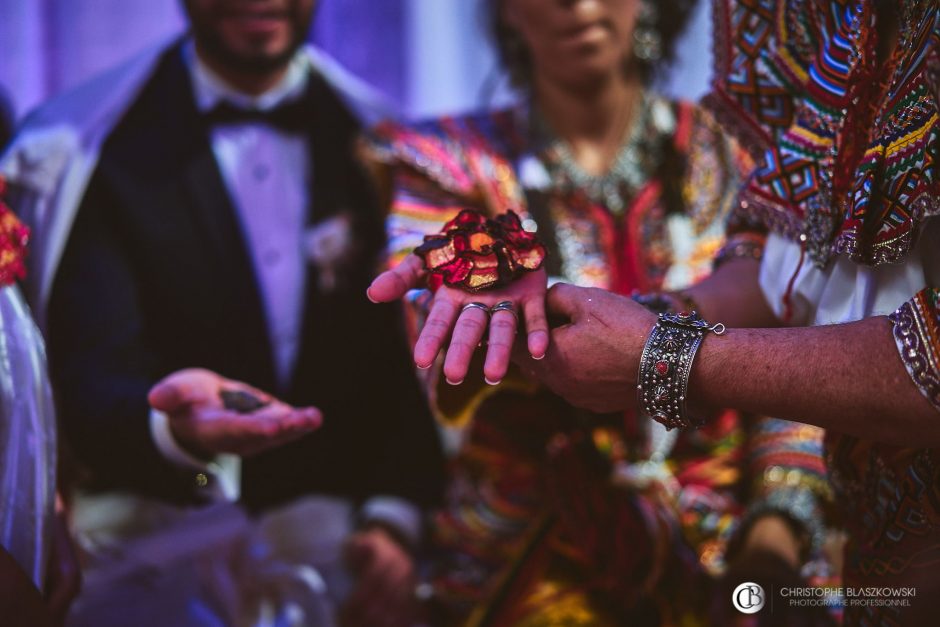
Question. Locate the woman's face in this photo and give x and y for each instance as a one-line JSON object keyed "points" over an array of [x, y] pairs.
{"points": [[576, 42]]}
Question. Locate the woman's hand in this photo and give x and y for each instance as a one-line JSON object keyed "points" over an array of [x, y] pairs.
{"points": [[466, 327]]}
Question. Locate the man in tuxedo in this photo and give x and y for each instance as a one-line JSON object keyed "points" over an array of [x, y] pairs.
{"points": [[224, 238]]}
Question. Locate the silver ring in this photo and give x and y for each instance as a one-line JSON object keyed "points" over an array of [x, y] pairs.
{"points": [[505, 305], [476, 305]]}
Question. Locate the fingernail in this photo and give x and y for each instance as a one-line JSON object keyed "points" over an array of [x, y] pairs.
{"points": [[538, 357], [369, 296], [489, 382], [425, 367], [454, 382]]}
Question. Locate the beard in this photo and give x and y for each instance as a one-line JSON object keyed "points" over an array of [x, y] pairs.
{"points": [[244, 54], [251, 63]]}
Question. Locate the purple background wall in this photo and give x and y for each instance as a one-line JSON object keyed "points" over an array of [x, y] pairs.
{"points": [[428, 56]]}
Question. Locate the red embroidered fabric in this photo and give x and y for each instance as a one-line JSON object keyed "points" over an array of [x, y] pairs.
{"points": [[13, 239]]}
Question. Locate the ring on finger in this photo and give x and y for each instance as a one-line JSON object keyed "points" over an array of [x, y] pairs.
{"points": [[505, 305], [476, 305]]}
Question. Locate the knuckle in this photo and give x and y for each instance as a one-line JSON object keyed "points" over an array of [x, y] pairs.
{"points": [[503, 322], [436, 323], [448, 301], [461, 345], [428, 342], [473, 323], [536, 317]]}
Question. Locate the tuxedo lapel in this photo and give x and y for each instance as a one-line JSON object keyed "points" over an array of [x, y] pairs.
{"points": [[202, 183], [340, 185], [169, 147], [331, 134]]}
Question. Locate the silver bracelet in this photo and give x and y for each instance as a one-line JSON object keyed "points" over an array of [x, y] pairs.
{"points": [[740, 246], [799, 506], [665, 365]]}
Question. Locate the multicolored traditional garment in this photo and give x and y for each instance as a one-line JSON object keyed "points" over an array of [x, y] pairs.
{"points": [[845, 142], [557, 516], [845, 133]]}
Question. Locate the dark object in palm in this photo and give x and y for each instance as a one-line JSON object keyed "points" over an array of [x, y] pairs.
{"points": [[241, 401]]}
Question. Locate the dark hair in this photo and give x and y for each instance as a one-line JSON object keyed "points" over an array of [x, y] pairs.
{"points": [[672, 18]]}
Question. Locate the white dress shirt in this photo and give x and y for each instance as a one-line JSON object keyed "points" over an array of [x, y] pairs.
{"points": [[267, 173]]}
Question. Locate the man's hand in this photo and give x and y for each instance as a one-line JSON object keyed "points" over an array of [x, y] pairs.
{"points": [[384, 592], [594, 357], [466, 329], [201, 423]]}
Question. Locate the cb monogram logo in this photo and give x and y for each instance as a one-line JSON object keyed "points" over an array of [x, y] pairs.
{"points": [[748, 598]]}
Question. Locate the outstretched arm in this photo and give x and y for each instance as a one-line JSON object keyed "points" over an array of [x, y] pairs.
{"points": [[202, 424], [845, 377]]}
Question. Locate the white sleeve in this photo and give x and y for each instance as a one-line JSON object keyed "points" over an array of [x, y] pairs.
{"points": [[395, 512], [799, 293], [222, 475]]}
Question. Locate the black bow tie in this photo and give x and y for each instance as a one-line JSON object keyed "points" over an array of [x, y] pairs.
{"points": [[292, 117]]}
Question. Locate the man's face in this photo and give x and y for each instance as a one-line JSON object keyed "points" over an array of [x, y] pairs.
{"points": [[250, 35]]}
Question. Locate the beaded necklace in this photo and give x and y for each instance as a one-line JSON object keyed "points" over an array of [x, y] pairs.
{"points": [[636, 160]]}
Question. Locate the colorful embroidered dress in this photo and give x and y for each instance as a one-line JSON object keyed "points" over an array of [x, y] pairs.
{"points": [[556, 516], [843, 125]]}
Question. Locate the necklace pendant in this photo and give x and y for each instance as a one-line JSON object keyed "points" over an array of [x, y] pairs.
{"points": [[614, 201]]}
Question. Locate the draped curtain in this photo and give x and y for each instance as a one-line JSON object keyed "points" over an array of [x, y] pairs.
{"points": [[428, 56]]}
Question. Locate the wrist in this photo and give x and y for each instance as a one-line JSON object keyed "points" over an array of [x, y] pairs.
{"points": [[715, 381], [400, 518], [748, 246], [773, 533], [666, 302], [189, 441], [389, 532], [666, 364]]}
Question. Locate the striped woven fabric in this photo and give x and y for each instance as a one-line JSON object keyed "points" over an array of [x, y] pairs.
{"points": [[846, 138]]}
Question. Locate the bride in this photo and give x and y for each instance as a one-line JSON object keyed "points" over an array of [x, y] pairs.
{"points": [[555, 514]]}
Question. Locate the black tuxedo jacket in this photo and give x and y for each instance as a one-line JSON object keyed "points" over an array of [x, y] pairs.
{"points": [[156, 277]]}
